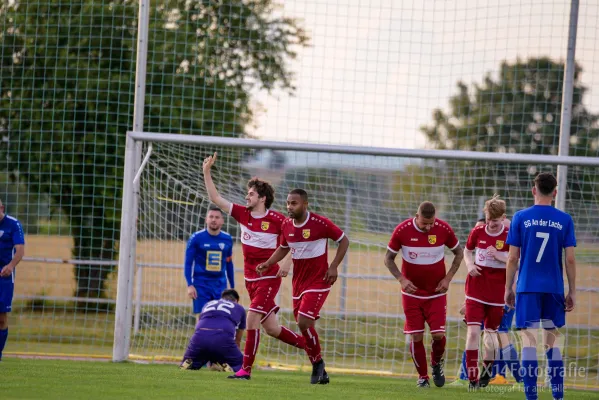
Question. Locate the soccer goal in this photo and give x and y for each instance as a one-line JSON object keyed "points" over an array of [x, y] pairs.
{"points": [[367, 192]]}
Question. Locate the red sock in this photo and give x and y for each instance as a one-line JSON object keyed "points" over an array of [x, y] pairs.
{"points": [[472, 364], [292, 338], [419, 357], [438, 350], [312, 345], [252, 340]]}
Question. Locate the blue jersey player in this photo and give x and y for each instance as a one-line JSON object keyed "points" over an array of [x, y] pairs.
{"points": [[217, 335], [538, 237], [12, 249], [208, 261]]}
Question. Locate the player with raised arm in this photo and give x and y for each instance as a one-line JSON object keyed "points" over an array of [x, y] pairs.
{"points": [[537, 238], [424, 283], [209, 262], [217, 335], [12, 250], [260, 232], [307, 235], [485, 288]]}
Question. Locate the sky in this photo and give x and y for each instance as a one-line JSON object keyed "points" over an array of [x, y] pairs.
{"points": [[375, 70]]}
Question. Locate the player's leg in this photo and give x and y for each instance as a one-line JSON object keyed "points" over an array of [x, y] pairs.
{"points": [[6, 295], [435, 313], [528, 319], [554, 317], [509, 354], [493, 316], [414, 326], [205, 294], [227, 354], [475, 313], [308, 311], [195, 356]]}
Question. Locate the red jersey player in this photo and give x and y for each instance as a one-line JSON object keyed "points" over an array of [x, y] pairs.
{"points": [[260, 231], [424, 283], [307, 235], [485, 287]]}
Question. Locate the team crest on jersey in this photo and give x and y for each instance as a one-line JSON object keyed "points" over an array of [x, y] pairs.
{"points": [[306, 233], [221, 246], [432, 239], [265, 225], [499, 244]]}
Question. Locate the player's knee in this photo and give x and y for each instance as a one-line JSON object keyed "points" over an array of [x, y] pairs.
{"points": [[271, 330], [304, 324], [490, 339], [438, 335], [417, 337], [473, 333]]}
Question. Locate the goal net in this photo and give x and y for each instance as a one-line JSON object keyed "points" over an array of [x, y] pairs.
{"points": [[366, 195]]}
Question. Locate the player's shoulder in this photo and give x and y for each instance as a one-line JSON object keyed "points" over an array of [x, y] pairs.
{"points": [[226, 235], [276, 216], [442, 224], [404, 224], [12, 220], [198, 234], [319, 219]]}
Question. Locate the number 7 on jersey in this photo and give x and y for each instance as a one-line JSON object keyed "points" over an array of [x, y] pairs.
{"points": [[545, 237]]}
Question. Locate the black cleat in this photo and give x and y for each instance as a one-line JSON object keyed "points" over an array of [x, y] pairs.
{"points": [[485, 376], [438, 374], [473, 386], [325, 379], [423, 383], [318, 373]]}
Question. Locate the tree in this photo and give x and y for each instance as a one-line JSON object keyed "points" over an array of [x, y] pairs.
{"points": [[66, 95], [519, 111]]}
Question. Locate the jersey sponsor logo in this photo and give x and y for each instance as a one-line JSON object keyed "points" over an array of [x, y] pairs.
{"points": [[432, 239], [413, 255], [264, 225], [499, 244], [214, 261], [305, 233], [246, 236], [481, 256]]}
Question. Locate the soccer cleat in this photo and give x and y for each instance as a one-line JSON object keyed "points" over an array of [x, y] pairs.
{"points": [[485, 377], [438, 374], [325, 379], [241, 375], [423, 383], [318, 373], [473, 386], [186, 364], [499, 380]]}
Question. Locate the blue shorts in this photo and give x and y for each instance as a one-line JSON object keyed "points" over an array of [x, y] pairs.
{"points": [[214, 347], [537, 310], [507, 320], [7, 289], [207, 291]]}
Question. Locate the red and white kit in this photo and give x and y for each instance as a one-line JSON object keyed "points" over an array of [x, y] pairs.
{"points": [[309, 244], [259, 239], [423, 263], [484, 293]]}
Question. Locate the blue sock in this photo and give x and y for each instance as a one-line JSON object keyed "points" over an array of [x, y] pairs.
{"points": [[530, 366], [3, 337], [463, 369], [556, 372], [510, 354]]}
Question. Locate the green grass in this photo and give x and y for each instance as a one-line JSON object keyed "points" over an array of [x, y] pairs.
{"points": [[59, 379]]}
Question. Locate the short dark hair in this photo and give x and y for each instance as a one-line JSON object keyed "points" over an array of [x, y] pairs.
{"points": [[264, 189], [215, 208], [230, 294], [301, 192], [545, 183], [426, 210]]}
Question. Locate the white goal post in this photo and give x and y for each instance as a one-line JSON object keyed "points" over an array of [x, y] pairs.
{"points": [[367, 190]]}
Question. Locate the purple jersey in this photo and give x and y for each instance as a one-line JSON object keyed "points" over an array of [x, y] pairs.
{"points": [[222, 314]]}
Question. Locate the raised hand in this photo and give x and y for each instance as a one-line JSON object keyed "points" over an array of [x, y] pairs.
{"points": [[208, 162]]}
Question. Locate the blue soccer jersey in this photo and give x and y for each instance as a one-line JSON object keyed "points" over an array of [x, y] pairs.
{"points": [[209, 257], [11, 234], [541, 233]]}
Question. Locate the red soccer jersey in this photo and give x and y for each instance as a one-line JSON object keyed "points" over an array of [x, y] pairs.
{"points": [[259, 239], [423, 254], [309, 243], [489, 287]]}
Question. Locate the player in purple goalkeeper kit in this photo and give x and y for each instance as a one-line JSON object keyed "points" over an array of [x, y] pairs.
{"points": [[217, 335]]}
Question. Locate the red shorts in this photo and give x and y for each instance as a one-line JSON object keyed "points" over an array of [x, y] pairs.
{"points": [[433, 311], [262, 296], [477, 313], [309, 304]]}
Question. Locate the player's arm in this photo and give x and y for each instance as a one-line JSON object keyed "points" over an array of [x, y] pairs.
{"points": [[510, 275], [458, 256], [331, 275], [473, 269], [238, 336], [213, 194], [277, 256], [16, 259], [571, 274], [190, 255], [230, 267], [406, 285], [500, 256]]}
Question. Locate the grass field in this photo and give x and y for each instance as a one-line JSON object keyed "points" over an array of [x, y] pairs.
{"points": [[61, 379]]}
